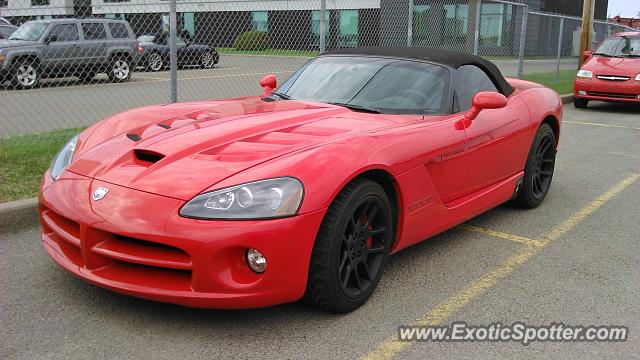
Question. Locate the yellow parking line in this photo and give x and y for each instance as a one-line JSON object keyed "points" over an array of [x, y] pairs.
{"points": [[599, 124], [501, 235], [390, 347]]}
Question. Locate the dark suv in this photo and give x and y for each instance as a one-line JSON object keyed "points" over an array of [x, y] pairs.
{"points": [[68, 47]]}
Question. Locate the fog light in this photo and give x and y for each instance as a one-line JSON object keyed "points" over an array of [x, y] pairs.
{"points": [[582, 92], [256, 261]]}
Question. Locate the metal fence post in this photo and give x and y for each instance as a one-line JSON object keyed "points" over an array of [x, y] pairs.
{"points": [[410, 24], [173, 52], [476, 39], [523, 38], [559, 49], [323, 25]]}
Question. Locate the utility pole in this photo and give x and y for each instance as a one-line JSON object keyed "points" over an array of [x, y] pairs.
{"points": [[587, 28]]}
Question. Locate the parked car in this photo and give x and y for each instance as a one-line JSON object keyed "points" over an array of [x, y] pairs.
{"points": [[6, 31], [300, 192], [4, 21], [611, 73], [156, 52], [68, 47]]}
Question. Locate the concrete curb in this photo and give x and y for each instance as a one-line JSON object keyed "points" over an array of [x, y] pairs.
{"points": [[18, 215], [566, 98]]}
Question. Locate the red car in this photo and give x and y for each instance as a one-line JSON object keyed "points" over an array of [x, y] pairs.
{"points": [[302, 192], [611, 73]]}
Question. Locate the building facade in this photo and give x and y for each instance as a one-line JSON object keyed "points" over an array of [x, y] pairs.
{"points": [[295, 24]]}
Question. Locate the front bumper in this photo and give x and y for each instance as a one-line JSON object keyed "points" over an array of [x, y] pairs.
{"points": [[604, 90], [135, 243]]}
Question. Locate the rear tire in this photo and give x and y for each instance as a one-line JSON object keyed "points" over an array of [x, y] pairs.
{"points": [[351, 248], [155, 62], [580, 103], [119, 69], [25, 74], [207, 60], [538, 171]]}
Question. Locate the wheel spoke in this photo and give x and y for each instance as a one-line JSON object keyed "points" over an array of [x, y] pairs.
{"points": [[365, 268], [376, 250], [357, 277], [378, 231], [372, 214], [345, 257], [345, 280]]}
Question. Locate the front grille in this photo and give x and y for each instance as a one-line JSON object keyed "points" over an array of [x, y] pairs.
{"points": [[117, 257], [612, 95], [613, 77]]}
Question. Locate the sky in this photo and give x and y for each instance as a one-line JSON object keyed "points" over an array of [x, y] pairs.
{"points": [[626, 8]]}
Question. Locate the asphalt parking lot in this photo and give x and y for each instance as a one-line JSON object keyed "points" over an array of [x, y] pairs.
{"points": [[572, 260], [68, 103]]}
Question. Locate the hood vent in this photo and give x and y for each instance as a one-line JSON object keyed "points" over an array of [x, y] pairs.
{"points": [[134, 137], [147, 156]]}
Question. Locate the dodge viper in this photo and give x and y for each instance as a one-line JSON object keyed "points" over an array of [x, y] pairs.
{"points": [[302, 192], [155, 52], [611, 73]]}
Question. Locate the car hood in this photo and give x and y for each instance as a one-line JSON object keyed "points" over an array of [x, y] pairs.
{"points": [[601, 65], [4, 44], [180, 150]]}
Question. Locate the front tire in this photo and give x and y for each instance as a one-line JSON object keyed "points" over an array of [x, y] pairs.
{"points": [[119, 69], [25, 74], [538, 171], [351, 248], [580, 103]]}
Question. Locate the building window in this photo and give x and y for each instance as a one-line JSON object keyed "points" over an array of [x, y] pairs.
{"points": [[260, 21], [421, 25], [315, 25], [456, 21], [115, 16], [348, 28], [40, 2], [115, 1], [4, 3], [494, 23]]}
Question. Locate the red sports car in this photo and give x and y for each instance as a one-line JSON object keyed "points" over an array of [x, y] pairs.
{"points": [[302, 192], [611, 73]]}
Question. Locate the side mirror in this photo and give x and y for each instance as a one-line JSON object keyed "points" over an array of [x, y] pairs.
{"points": [[485, 100], [587, 54], [268, 83], [49, 39]]}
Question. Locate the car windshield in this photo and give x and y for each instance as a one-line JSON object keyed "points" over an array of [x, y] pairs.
{"points": [[30, 31], [146, 38], [621, 46], [373, 84]]}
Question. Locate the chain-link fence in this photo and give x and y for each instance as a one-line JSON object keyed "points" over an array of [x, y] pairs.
{"points": [[71, 63]]}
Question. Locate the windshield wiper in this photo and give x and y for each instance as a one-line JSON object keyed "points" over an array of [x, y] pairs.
{"points": [[357, 107], [281, 96], [630, 55], [602, 54]]}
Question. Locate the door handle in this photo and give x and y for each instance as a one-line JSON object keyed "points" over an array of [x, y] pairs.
{"points": [[76, 46]]}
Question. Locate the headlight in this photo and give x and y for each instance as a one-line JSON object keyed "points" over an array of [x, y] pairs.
{"points": [[63, 158], [585, 74], [264, 199], [638, 77]]}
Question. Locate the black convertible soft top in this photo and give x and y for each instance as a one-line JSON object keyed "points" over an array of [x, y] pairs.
{"points": [[453, 59]]}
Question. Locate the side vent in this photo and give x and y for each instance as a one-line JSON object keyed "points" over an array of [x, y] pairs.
{"points": [[147, 156]]}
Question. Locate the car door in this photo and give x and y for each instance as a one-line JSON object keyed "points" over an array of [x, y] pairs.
{"points": [[61, 50], [496, 142], [95, 44]]}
